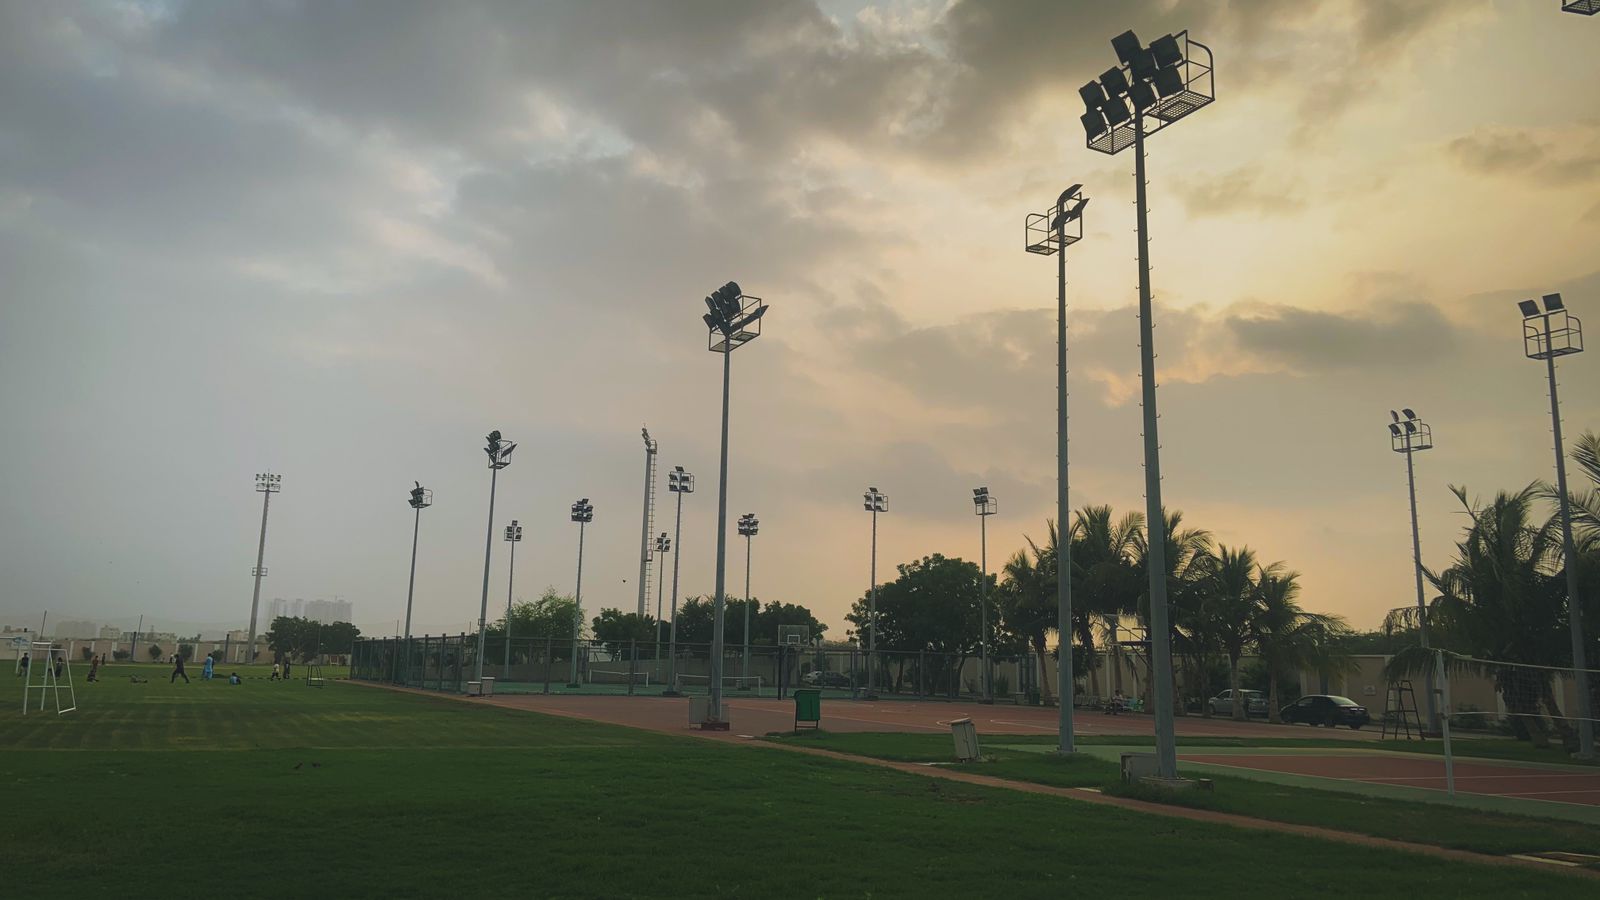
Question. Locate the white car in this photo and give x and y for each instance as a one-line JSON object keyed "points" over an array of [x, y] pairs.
{"points": [[1255, 703]]}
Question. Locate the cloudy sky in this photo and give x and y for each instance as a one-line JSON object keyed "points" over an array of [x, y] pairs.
{"points": [[342, 241]]}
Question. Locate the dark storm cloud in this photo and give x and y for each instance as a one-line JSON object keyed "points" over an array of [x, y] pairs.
{"points": [[1401, 336]]}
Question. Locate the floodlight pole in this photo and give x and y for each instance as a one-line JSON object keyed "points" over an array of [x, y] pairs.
{"points": [[714, 710], [411, 588], [577, 610], [983, 605], [1570, 554], [488, 546], [644, 527], [1155, 520], [1416, 561], [1066, 739], [744, 671], [672, 633], [512, 537], [661, 577], [872, 611], [267, 485]]}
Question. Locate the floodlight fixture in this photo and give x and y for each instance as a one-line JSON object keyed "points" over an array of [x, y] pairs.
{"points": [[1167, 51], [1046, 233], [679, 481], [1545, 336], [1581, 7], [1126, 46], [734, 318], [1116, 111], [583, 511], [983, 502], [1168, 82], [1114, 82], [513, 532], [663, 543], [749, 525], [421, 497], [1093, 94], [498, 449]]}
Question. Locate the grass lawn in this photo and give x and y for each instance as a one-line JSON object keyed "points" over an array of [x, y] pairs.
{"points": [[1460, 828], [282, 790]]}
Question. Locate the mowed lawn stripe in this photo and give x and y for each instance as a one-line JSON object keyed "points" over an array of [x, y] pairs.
{"points": [[350, 791]]}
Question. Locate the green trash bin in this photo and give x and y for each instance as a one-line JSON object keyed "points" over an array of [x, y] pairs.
{"points": [[807, 708]]}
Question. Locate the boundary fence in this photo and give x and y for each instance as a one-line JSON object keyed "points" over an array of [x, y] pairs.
{"points": [[558, 665]]}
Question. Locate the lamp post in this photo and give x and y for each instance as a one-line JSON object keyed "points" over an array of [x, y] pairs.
{"points": [[1545, 336], [734, 320], [678, 482], [421, 499], [1412, 435], [267, 484], [513, 537], [748, 526], [1162, 83], [873, 501], [498, 450], [583, 514], [984, 505], [1051, 233], [649, 516]]}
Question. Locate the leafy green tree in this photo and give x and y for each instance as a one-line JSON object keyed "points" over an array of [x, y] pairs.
{"points": [[620, 631], [1188, 564], [1027, 603], [932, 608], [1105, 584], [767, 618], [154, 652], [1289, 639], [550, 616], [186, 651]]}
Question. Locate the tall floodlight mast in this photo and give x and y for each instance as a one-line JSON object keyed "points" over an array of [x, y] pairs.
{"points": [[645, 558], [1047, 233], [1546, 335], [1412, 435], [1152, 88], [734, 320]]}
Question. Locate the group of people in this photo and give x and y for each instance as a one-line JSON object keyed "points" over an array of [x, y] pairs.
{"points": [[208, 671], [57, 662]]}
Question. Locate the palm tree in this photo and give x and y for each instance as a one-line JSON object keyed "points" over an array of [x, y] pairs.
{"points": [[1503, 599], [1104, 582], [1229, 603], [1027, 603], [1188, 561], [1287, 637]]}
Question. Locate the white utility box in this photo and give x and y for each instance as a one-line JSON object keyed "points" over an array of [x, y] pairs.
{"points": [[966, 735], [488, 686], [698, 708]]}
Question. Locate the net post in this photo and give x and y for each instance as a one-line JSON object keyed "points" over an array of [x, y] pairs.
{"points": [[1444, 722]]}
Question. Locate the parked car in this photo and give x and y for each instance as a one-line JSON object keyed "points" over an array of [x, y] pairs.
{"points": [[819, 678], [1325, 709], [1255, 703]]}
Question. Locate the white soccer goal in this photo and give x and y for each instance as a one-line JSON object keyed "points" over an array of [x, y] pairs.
{"points": [[617, 676], [43, 659]]}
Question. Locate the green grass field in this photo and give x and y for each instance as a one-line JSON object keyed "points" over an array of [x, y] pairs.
{"points": [[1459, 828], [282, 790]]}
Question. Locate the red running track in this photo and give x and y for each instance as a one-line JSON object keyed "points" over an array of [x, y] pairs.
{"points": [[1426, 772]]}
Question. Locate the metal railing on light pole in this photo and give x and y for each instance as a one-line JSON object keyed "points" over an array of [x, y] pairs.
{"points": [[267, 484], [1412, 435], [513, 537], [873, 501], [421, 499], [748, 526], [984, 506], [1163, 84], [1546, 335], [498, 450], [1048, 233], [680, 483], [734, 320], [583, 514]]}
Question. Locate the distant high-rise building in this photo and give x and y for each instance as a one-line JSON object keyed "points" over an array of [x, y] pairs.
{"points": [[69, 628], [328, 611]]}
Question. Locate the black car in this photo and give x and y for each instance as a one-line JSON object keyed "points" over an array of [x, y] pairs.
{"points": [[1325, 709]]}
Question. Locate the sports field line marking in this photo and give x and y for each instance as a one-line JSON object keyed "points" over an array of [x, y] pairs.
{"points": [[1548, 793], [1459, 778]]}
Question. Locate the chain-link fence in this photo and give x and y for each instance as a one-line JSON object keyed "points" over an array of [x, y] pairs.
{"points": [[559, 665]]}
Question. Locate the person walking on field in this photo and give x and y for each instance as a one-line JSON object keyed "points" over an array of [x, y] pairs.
{"points": [[22, 666], [206, 667], [177, 669], [94, 669], [277, 671]]}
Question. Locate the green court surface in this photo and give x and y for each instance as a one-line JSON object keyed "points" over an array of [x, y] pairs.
{"points": [[282, 790]]}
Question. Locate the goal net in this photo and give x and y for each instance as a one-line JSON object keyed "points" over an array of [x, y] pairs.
{"points": [[1531, 702], [48, 670]]}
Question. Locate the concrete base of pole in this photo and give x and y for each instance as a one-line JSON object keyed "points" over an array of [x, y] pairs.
{"points": [[714, 725]]}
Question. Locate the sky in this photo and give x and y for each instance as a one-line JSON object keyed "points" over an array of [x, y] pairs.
{"points": [[343, 241]]}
